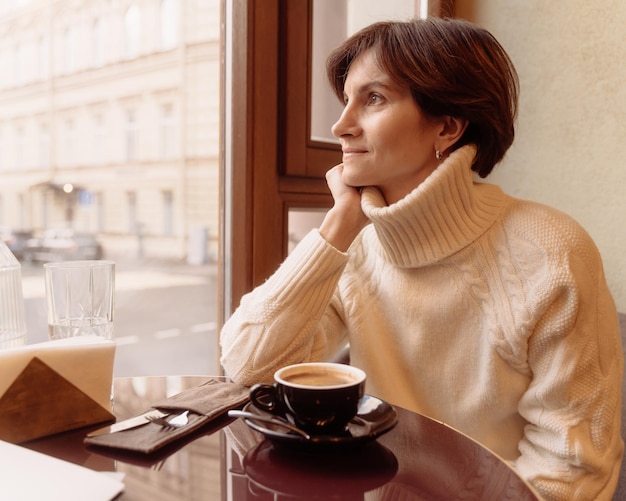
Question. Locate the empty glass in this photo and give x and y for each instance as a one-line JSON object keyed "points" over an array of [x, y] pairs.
{"points": [[12, 317], [80, 297]]}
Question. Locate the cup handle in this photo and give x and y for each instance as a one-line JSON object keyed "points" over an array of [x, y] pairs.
{"points": [[263, 396]]}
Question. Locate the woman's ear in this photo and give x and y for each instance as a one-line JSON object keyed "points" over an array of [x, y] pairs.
{"points": [[452, 130]]}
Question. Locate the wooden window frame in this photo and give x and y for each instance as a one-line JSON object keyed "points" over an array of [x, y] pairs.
{"points": [[275, 164]]}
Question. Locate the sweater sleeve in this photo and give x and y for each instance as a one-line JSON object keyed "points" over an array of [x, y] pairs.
{"points": [[294, 316], [572, 445]]}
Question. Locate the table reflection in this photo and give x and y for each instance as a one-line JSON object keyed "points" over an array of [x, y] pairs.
{"points": [[326, 474], [420, 459], [227, 460], [437, 462]]}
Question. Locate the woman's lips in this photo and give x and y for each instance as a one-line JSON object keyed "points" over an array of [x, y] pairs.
{"points": [[352, 152]]}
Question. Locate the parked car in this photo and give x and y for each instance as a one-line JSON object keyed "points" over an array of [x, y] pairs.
{"points": [[15, 240], [63, 245]]}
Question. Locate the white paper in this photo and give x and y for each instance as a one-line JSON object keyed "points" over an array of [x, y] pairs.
{"points": [[85, 361], [27, 475]]}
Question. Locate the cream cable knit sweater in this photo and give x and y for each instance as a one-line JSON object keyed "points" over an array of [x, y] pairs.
{"points": [[483, 311]]}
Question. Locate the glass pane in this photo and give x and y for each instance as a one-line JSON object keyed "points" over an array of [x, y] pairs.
{"points": [[300, 221], [109, 126], [333, 22]]}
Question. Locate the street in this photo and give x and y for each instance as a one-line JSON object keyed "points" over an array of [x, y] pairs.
{"points": [[165, 317]]}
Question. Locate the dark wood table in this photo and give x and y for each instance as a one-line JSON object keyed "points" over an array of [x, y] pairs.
{"points": [[419, 459]]}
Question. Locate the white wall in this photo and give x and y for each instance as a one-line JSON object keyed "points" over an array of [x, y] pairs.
{"points": [[570, 147]]}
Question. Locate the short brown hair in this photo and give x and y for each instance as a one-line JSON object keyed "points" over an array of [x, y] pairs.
{"points": [[453, 67]]}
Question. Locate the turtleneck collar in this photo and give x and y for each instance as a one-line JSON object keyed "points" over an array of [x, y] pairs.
{"points": [[444, 214]]}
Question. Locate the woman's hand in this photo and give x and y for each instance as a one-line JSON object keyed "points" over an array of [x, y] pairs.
{"points": [[346, 219]]}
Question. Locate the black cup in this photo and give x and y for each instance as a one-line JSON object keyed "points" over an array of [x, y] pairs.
{"points": [[319, 397]]}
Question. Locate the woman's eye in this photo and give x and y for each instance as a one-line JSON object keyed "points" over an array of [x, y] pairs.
{"points": [[374, 99]]}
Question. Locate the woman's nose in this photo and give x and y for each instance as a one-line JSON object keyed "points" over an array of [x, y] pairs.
{"points": [[345, 125]]}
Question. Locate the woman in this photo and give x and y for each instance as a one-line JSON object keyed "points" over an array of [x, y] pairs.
{"points": [[487, 312]]}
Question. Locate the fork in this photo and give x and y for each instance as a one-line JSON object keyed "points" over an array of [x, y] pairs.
{"points": [[170, 423]]}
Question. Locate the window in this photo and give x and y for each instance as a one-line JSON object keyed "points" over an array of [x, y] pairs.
{"points": [[20, 148], [18, 64], [168, 213], [15, 77], [131, 200], [9, 62], [99, 198], [69, 142], [97, 43], [274, 164], [99, 134], [132, 32], [122, 106], [43, 150], [278, 164], [167, 133], [21, 203], [68, 51], [43, 68], [131, 135], [168, 20]]}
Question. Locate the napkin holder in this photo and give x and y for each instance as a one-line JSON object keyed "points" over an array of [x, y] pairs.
{"points": [[57, 386]]}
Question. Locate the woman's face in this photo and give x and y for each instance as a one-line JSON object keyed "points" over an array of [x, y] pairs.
{"points": [[387, 141]]}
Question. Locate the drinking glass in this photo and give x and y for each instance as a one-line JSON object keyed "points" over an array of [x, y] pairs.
{"points": [[80, 297], [12, 316]]}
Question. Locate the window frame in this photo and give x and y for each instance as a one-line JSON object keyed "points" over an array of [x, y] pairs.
{"points": [[273, 164]]}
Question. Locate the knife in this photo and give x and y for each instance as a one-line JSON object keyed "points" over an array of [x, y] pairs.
{"points": [[127, 424]]}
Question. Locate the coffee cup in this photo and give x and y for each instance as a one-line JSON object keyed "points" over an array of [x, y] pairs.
{"points": [[319, 397]]}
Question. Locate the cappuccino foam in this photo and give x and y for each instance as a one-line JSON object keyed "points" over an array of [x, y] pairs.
{"points": [[325, 378]]}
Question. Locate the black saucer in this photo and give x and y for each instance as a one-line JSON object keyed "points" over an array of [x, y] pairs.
{"points": [[374, 418]]}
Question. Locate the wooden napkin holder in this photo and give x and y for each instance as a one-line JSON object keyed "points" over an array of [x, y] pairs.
{"points": [[41, 402]]}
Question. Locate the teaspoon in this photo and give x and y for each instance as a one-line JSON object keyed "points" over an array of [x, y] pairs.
{"points": [[267, 419]]}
